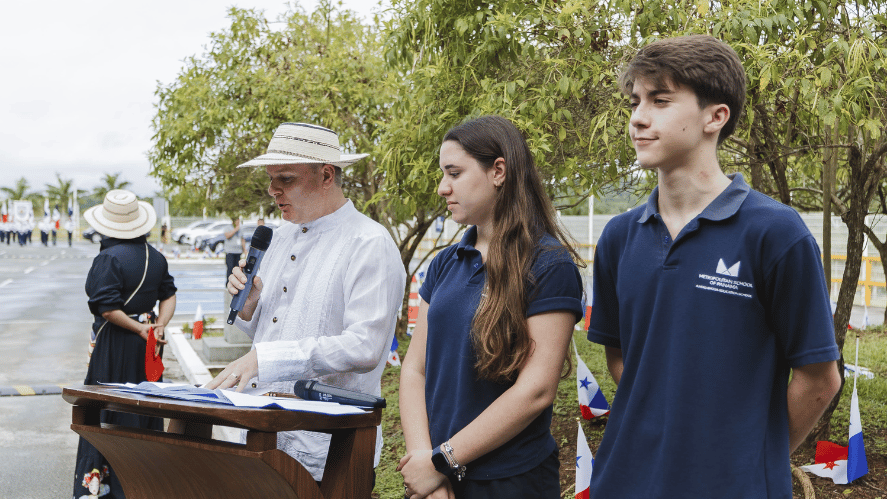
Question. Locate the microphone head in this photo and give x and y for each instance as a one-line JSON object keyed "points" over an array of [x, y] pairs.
{"points": [[262, 238], [301, 386]]}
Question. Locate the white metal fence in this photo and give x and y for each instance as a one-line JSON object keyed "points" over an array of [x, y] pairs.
{"points": [[871, 291]]}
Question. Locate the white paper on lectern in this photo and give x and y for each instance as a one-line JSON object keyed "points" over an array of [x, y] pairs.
{"points": [[332, 408], [191, 393]]}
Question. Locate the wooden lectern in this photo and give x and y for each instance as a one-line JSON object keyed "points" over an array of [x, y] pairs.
{"points": [[153, 464]]}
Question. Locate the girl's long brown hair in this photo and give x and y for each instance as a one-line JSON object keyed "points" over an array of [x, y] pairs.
{"points": [[522, 215]]}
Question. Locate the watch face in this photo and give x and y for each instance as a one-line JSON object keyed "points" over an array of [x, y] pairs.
{"points": [[440, 462]]}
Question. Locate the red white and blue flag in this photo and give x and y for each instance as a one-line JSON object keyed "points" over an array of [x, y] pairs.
{"points": [[843, 464], [592, 402], [584, 465], [393, 357]]}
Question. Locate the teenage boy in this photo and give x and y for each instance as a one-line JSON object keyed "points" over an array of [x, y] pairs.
{"points": [[705, 300]]}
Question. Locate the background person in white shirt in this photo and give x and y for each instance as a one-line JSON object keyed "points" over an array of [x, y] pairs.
{"points": [[233, 246], [326, 298]]}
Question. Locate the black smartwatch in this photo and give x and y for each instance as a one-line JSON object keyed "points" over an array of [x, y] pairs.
{"points": [[439, 460]]}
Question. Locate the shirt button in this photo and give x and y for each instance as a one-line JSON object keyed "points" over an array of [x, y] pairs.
{"points": [[274, 319], [284, 289], [254, 385], [304, 230], [293, 257]]}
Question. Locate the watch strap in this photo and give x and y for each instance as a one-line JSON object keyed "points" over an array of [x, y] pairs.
{"points": [[440, 462]]}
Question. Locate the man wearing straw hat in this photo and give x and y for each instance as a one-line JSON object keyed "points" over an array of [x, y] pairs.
{"points": [[326, 298]]}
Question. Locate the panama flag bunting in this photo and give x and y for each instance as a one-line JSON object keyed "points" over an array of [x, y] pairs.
{"points": [[592, 402], [393, 357], [584, 465], [843, 464], [197, 332]]}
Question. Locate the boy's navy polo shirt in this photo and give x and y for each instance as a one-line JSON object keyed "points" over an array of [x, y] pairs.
{"points": [[454, 396], [709, 326]]}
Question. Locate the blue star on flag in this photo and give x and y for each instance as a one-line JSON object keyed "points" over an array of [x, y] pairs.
{"points": [[584, 383]]}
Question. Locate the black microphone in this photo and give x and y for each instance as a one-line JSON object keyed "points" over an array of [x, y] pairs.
{"points": [[308, 389], [258, 246]]}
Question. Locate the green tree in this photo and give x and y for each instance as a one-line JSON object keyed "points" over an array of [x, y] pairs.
{"points": [[109, 182], [546, 66], [816, 88], [323, 68], [60, 193], [21, 190]]}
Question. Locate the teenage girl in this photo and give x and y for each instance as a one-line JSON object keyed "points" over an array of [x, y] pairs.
{"points": [[496, 317]]}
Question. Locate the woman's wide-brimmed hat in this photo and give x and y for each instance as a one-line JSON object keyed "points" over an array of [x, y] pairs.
{"points": [[301, 143], [121, 215]]}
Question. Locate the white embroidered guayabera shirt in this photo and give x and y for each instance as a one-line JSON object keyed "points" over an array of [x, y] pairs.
{"points": [[331, 293]]}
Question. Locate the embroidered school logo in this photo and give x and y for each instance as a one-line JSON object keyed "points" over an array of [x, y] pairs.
{"points": [[725, 281], [732, 271]]}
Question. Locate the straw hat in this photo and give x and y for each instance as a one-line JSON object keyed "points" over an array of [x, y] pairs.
{"points": [[121, 216], [301, 143]]}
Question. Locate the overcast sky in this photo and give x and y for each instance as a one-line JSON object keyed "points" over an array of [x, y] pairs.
{"points": [[78, 81]]}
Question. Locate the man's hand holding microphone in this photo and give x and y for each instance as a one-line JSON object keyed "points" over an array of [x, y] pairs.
{"points": [[246, 288]]}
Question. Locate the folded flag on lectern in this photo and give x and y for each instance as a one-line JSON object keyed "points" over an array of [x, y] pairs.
{"points": [[584, 465], [198, 323], [393, 357], [592, 402]]}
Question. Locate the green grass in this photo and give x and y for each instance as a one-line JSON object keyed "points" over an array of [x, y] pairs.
{"points": [[872, 408]]}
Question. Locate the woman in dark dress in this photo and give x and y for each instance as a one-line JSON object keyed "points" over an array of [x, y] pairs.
{"points": [[122, 293]]}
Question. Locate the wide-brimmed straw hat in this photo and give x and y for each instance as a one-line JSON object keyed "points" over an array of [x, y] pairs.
{"points": [[121, 215], [301, 143]]}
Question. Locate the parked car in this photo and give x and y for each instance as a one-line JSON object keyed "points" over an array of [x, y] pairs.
{"points": [[91, 234], [214, 228], [178, 235], [214, 244], [249, 229]]}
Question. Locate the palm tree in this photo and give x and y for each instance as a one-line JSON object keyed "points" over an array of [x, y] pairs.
{"points": [[20, 191], [109, 183], [60, 193]]}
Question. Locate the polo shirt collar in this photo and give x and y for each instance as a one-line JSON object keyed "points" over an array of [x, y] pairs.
{"points": [[724, 206], [467, 242]]}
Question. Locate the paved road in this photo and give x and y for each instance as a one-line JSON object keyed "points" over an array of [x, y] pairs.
{"points": [[44, 323]]}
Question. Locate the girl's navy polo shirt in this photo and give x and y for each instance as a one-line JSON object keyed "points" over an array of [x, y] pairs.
{"points": [[709, 325], [454, 396]]}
